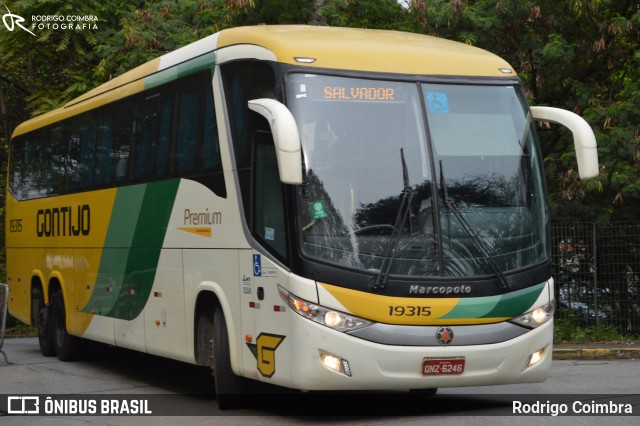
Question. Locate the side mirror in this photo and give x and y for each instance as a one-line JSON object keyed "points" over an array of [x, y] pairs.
{"points": [[285, 137], [583, 138]]}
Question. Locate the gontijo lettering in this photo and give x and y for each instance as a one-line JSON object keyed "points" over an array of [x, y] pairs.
{"points": [[64, 221]]}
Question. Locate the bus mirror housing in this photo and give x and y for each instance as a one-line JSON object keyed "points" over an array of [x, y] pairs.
{"points": [[583, 138], [285, 137]]}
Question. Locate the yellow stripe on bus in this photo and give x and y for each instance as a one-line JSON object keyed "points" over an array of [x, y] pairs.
{"points": [[392, 310]]}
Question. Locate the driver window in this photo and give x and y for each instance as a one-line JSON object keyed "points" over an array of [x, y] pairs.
{"points": [[268, 223]]}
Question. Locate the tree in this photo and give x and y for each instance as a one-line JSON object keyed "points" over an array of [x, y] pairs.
{"points": [[48, 62], [55, 64]]}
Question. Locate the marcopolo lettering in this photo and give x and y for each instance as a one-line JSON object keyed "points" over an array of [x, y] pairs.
{"points": [[439, 289], [64, 221]]}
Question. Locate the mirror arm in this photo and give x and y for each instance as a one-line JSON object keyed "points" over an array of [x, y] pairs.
{"points": [[583, 138]]}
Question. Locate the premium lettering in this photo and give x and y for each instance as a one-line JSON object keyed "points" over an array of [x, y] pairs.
{"points": [[64, 221], [202, 218]]}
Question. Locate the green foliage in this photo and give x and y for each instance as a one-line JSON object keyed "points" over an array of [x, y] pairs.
{"points": [[46, 64], [271, 12], [140, 31], [568, 330], [381, 14]]}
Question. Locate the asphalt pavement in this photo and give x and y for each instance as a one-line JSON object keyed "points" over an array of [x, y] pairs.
{"points": [[185, 391]]}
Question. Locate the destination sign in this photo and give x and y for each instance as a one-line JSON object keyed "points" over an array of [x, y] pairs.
{"points": [[342, 89], [342, 93]]}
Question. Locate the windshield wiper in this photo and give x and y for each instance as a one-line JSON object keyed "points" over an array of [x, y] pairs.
{"points": [[477, 241], [404, 211]]}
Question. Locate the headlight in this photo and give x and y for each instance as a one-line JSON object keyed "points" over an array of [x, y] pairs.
{"points": [[536, 317], [328, 317]]}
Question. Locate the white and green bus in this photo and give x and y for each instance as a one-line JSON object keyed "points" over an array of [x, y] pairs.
{"points": [[312, 207]]}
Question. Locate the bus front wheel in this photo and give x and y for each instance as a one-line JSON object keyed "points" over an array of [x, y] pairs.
{"points": [[230, 392]]}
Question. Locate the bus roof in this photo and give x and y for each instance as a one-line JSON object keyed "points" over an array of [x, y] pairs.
{"points": [[310, 46], [369, 50]]}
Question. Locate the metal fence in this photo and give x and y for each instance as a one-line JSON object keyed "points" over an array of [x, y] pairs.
{"points": [[4, 297], [596, 267]]}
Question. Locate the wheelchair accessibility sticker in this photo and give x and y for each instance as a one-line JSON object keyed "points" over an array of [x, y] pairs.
{"points": [[437, 102], [257, 265]]}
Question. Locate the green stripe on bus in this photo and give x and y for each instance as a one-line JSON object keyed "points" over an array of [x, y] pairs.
{"points": [[507, 305], [126, 207], [473, 307], [181, 70], [516, 303], [129, 261]]}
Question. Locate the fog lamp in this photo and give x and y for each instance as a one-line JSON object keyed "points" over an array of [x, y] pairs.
{"points": [[534, 358], [335, 363]]}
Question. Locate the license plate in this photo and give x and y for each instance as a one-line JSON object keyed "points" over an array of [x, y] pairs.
{"points": [[442, 366]]}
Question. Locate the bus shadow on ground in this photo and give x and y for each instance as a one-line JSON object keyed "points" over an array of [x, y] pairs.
{"points": [[193, 392]]}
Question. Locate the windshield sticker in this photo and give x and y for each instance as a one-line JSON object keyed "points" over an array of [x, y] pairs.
{"points": [[437, 102], [318, 209], [269, 233], [303, 91]]}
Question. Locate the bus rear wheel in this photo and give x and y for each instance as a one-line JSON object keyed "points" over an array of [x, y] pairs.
{"points": [[65, 344], [42, 317], [230, 389]]}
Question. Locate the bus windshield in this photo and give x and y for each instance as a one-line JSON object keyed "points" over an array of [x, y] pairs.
{"points": [[418, 179]]}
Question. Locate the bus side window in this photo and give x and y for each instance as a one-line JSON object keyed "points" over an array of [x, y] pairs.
{"points": [[243, 81], [268, 202], [136, 139], [83, 135], [18, 167], [165, 121], [211, 147], [145, 136], [104, 154], [122, 138], [61, 159], [189, 117], [26, 174]]}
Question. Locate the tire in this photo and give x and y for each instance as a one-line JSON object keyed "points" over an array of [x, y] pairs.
{"points": [[65, 344], [204, 336], [230, 389], [42, 323]]}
